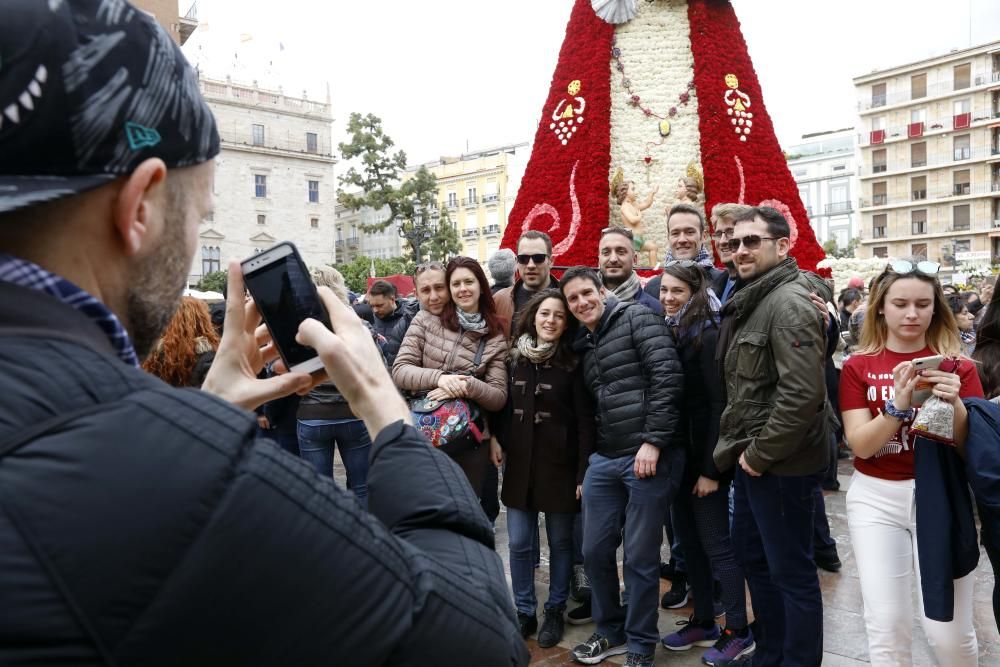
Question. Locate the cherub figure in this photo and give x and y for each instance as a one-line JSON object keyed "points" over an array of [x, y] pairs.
{"points": [[632, 219], [688, 191]]}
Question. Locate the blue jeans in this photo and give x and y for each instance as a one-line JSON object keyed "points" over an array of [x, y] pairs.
{"points": [[522, 531], [615, 499], [773, 538], [316, 443]]}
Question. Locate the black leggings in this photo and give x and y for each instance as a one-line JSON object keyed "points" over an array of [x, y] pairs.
{"points": [[702, 525]]}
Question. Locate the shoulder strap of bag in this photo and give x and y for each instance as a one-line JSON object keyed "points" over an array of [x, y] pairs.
{"points": [[479, 353]]}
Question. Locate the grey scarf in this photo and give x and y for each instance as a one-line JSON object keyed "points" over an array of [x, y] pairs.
{"points": [[628, 290], [471, 321], [534, 351]]}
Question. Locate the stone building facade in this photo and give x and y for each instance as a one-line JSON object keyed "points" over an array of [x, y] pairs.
{"points": [[274, 177]]}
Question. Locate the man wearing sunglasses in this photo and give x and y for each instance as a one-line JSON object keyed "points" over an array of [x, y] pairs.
{"points": [[534, 262], [774, 432]]}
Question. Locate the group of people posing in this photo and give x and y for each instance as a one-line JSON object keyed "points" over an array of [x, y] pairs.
{"points": [[700, 402]]}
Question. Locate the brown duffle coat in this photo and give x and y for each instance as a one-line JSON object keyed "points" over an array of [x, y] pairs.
{"points": [[548, 437]]}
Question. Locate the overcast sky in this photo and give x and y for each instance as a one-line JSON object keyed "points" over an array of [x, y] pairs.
{"points": [[447, 74]]}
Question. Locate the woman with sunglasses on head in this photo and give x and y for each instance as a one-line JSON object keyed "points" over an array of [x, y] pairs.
{"points": [[457, 353], [700, 512], [547, 436], [907, 318]]}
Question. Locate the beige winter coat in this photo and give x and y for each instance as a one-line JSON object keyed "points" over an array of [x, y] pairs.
{"points": [[429, 350]]}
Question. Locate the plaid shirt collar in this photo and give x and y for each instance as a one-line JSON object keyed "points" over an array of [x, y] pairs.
{"points": [[27, 274]]}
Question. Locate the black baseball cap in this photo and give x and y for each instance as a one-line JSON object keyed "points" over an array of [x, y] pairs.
{"points": [[88, 90]]}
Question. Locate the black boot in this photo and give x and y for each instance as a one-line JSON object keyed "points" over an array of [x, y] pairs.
{"points": [[527, 623], [553, 627]]}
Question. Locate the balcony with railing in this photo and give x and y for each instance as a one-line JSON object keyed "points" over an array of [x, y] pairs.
{"points": [[940, 159], [490, 198], [962, 121], [284, 142], [452, 204], [188, 23], [838, 207], [253, 95], [982, 78], [353, 242], [957, 190], [491, 230], [470, 233], [469, 202]]}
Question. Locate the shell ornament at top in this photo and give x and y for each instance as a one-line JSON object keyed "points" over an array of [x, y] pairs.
{"points": [[615, 11]]}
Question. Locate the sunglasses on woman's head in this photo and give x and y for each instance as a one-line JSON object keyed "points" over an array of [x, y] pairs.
{"points": [[537, 258], [750, 242], [903, 267], [429, 266]]}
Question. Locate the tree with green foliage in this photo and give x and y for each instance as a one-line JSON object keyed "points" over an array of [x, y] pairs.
{"points": [[212, 282], [445, 243], [356, 272], [833, 250]]}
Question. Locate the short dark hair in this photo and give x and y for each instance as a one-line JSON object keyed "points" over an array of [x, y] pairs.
{"points": [[382, 288], [957, 303], [535, 234], [777, 225], [850, 295], [686, 208], [581, 272]]}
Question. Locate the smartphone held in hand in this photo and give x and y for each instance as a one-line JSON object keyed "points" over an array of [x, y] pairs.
{"points": [[285, 295], [922, 391]]}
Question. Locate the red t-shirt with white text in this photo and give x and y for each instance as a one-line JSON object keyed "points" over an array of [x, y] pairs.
{"points": [[866, 382]]}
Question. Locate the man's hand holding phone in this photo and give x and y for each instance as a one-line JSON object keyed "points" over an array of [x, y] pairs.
{"points": [[244, 349]]}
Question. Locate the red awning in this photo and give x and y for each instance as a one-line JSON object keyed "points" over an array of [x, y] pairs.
{"points": [[877, 136]]}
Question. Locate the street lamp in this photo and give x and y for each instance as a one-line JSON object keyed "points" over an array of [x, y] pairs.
{"points": [[421, 231]]}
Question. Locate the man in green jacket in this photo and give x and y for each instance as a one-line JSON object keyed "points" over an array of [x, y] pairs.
{"points": [[774, 432]]}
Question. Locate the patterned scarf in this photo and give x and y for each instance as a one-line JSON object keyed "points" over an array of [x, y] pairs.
{"points": [[471, 321], [532, 350], [628, 290], [703, 258], [674, 321]]}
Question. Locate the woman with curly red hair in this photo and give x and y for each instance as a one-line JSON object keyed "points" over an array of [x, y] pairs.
{"points": [[185, 352]]}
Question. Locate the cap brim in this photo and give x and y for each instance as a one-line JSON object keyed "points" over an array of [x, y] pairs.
{"points": [[17, 192]]}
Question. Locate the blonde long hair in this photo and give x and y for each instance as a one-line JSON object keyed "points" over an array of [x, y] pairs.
{"points": [[942, 334]]}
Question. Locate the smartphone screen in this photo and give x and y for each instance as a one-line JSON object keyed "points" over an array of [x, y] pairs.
{"points": [[285, 296]]}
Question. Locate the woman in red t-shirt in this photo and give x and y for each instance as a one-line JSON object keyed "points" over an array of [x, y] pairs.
{"points": [[908, 317]]}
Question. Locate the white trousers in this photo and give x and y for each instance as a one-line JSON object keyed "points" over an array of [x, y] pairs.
{"points": [[882, 517]]}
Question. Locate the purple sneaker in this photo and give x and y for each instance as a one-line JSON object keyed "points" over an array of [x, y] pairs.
{"points": [[692, 634], [731, 649]]}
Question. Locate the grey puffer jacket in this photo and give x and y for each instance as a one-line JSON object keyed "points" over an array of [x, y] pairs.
{"points": [[631, 367]]}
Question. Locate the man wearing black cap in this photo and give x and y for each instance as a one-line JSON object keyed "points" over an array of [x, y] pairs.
{"points": [[141, 524]]}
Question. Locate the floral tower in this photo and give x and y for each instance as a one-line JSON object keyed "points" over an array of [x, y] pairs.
{"points": [[651, 92]]}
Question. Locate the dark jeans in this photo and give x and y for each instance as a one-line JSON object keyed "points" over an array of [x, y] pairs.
{"points": [[676, 545], [824, 546], [831, 469], [316, 445], [773, 538], [615, 499], [702, 526], [287, 441], [578, 539], [522, 530]]}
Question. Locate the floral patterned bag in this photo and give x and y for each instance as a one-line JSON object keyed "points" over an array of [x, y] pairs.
{"points": [[446, 422]]}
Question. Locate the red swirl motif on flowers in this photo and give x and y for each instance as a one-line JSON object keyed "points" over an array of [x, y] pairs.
{"points": [[546, 209]]}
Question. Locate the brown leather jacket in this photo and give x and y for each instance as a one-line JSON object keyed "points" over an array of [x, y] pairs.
{"points": [[429, 350]]}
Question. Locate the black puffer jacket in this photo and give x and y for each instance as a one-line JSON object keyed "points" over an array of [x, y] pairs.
{"points": [[151, 528], [393, 328], [632, 369]]}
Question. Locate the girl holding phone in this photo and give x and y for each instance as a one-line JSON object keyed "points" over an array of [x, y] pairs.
{"points": [[908, 318]]}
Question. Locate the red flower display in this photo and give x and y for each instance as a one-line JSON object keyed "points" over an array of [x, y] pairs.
{"points": [[752, 169], [564, 192]]}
